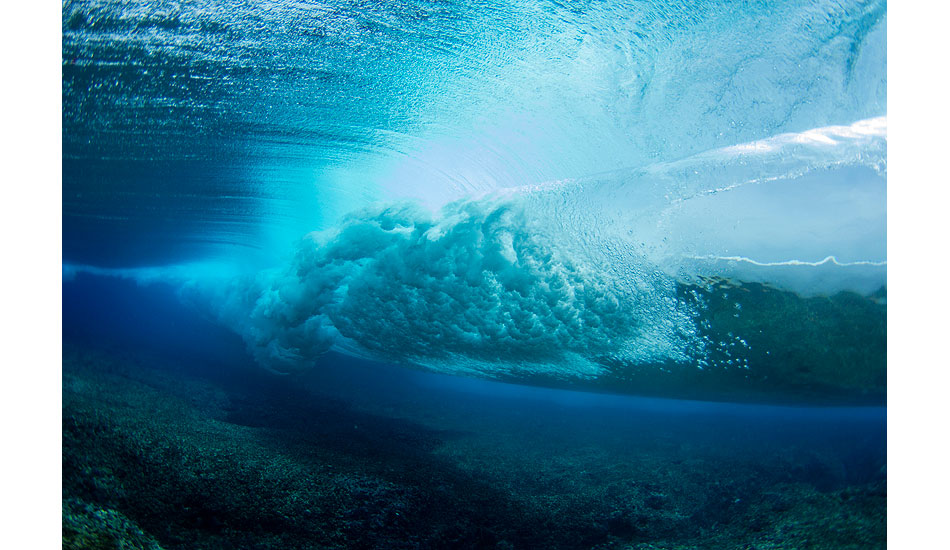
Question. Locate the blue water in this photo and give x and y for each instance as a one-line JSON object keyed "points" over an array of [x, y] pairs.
{"points": [[496, 218]]}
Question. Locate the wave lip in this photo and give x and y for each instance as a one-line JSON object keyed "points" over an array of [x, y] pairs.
{"points": [[769, 211], [861, 132]]}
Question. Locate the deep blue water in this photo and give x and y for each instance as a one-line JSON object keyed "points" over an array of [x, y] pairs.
{"points": [[649, 232]]}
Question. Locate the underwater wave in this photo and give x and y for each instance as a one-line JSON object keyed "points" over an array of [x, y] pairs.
{"points": [[476, 287], [610, 279], [755, 272], [629, 196]]}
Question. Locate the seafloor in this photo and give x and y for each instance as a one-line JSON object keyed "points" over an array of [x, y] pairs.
{"points": [[159, 453]]}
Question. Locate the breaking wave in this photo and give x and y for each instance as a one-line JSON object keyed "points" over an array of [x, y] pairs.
{"points": [[568, 279], [479, 286]]}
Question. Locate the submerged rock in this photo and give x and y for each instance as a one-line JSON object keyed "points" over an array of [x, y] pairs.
{"points": [[89, 527]]}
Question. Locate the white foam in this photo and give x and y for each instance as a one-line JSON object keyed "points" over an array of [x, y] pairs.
{"points": [[862, 131], [477, 288]]}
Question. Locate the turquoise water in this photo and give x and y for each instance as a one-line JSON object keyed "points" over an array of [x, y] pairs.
{"points": [[513, 190], [634, 200]]}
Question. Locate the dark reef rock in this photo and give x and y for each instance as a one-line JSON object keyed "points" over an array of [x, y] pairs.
{"points": [[156, 456]]}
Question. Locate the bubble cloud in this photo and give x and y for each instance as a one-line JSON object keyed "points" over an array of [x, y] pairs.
{"points": [[478, 287]]}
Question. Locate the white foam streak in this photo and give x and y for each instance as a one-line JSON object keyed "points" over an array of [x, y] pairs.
{"points": [[827, 260], [862, 130], [172, 274]]}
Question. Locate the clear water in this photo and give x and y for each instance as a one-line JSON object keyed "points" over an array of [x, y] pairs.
{"points": [[652, 199]]}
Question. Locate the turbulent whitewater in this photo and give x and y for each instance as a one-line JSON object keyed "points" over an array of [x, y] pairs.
{"points": [[686, 201]]}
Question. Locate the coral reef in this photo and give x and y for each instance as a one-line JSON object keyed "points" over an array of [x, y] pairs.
{"points": [[87, 527]]}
